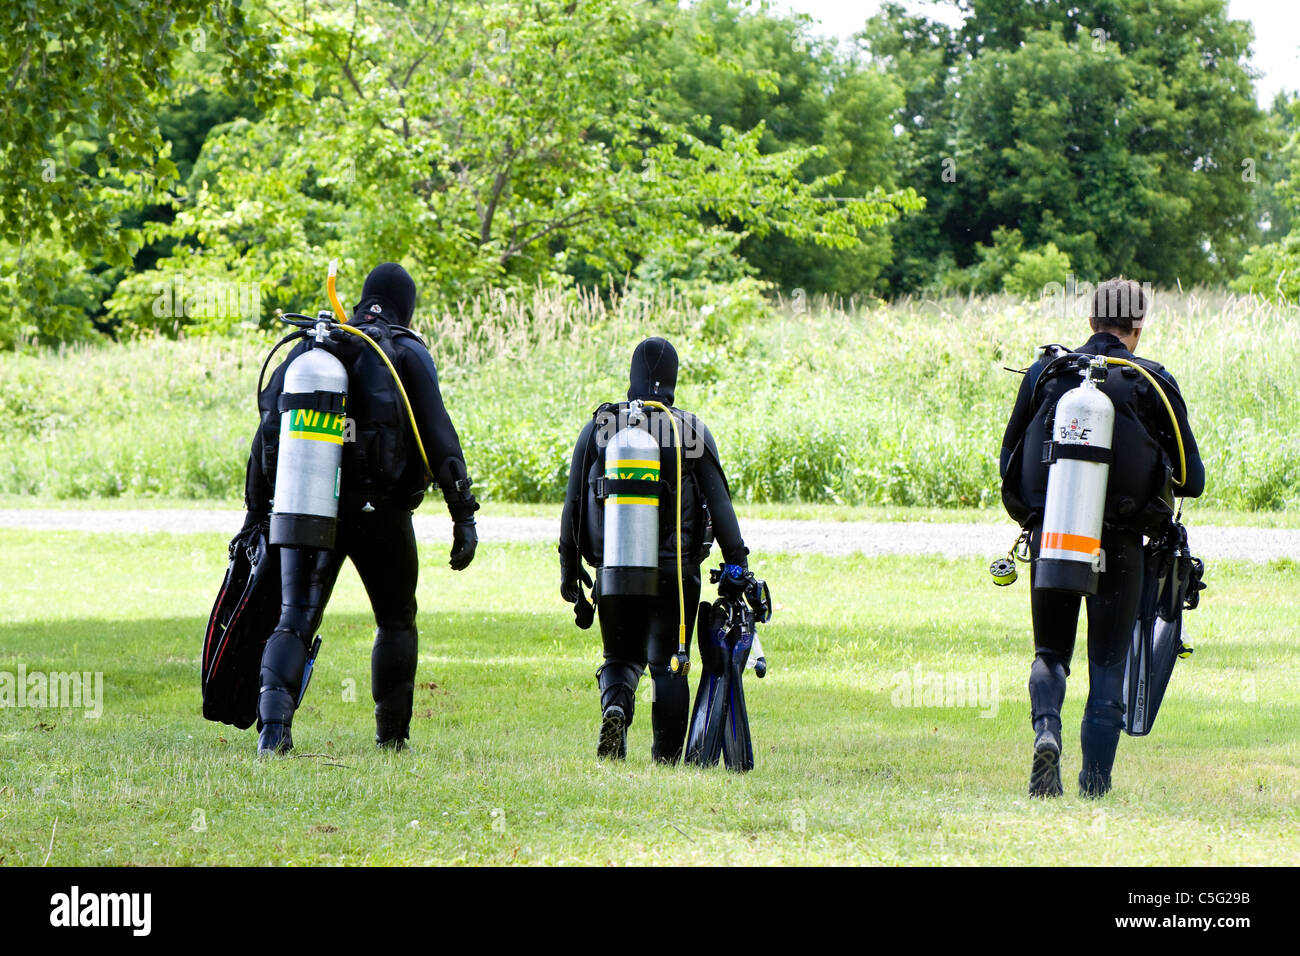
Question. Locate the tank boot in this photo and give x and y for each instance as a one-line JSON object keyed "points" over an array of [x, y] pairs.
{"points": [[1045, 773]]}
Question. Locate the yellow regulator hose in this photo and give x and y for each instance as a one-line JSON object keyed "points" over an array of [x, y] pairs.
{"points": [[401, 390], [1178, 434]]}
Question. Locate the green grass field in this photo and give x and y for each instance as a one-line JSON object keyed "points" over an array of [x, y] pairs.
{"points": [[503, 770]]}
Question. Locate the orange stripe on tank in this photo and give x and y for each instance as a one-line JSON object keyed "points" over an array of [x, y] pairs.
{"points": [[1070, 542]]}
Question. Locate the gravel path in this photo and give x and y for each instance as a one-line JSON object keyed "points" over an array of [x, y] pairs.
{"points": [[867, 538]]}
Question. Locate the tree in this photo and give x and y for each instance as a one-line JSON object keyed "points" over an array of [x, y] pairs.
{"points": [[1115, 130], [79, 73], [1273, 269], [503, 144], [740, 68]]}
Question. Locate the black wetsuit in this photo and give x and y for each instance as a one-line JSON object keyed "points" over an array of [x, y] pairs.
{"points": [[639, 631], [374, 527], [1113, 611]]}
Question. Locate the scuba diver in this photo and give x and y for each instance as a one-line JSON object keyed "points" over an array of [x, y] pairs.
{"points": [[381, 480], [621, 515], [1135, 497]]}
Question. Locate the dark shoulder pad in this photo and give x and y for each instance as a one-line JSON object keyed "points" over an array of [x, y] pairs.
{"points": [[402, 332]]}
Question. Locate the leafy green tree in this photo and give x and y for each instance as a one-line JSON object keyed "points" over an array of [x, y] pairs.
{"points": [[1273, 269], [78, 72], [740, 67], [495, 144], [1116, 130]]}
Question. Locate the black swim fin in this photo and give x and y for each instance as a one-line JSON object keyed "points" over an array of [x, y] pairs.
{"points": [[244, 615], [1171, 577], [704, 738]]}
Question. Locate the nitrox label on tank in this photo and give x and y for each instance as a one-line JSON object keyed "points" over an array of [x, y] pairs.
{"points": [[316, 425], [638, 469]]}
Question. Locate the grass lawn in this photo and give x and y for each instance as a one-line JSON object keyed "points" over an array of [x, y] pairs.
{"points": [[503, 769]]}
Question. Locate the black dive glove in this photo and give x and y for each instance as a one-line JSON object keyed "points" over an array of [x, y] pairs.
{"points": [[464, 540], [462, 505], [255, 517], [569, 578], [571, 573]]}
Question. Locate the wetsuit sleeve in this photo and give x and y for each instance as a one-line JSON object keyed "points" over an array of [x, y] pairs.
{"points": [[1194, 486], [257, 490], [713, 485], [573, 498], [1021, 415], [441, 443]]}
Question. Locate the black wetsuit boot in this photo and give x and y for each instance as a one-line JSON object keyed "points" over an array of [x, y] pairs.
{"points": [[1103, 719], [1046, 695], [306, 577], [617, 680], [392, 677], [283, 661]]}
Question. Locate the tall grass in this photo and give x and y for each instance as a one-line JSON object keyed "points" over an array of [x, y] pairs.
{"points": [[854, 403]]}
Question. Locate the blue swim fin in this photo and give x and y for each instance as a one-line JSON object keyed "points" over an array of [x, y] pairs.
{"points": [[737, 747], [704, 738]]}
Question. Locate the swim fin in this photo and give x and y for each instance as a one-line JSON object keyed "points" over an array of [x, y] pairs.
{"points": [[737, 747], [704, 739], [1171, 583], [243, 616]]}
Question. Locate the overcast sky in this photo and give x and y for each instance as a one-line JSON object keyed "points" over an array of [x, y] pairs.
{"points": [[1276, 47]]}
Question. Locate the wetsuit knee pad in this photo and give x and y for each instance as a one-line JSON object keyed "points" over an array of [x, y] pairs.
{"points": [[617, 680], [397, 619], [1107, 714]]}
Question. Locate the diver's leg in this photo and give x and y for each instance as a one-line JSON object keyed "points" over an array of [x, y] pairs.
{"points": [[670, 706], [623, 627], [1056, 619], [1111, 616], [307, 576], [384, 552]]}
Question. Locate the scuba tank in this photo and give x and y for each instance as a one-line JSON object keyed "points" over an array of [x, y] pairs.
{"points": [[631, 491], [1078, 459], [305, 506]]}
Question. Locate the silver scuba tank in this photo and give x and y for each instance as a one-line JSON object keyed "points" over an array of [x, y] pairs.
{"points": [[1079, 456], [309, 463], [631, 548]]}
